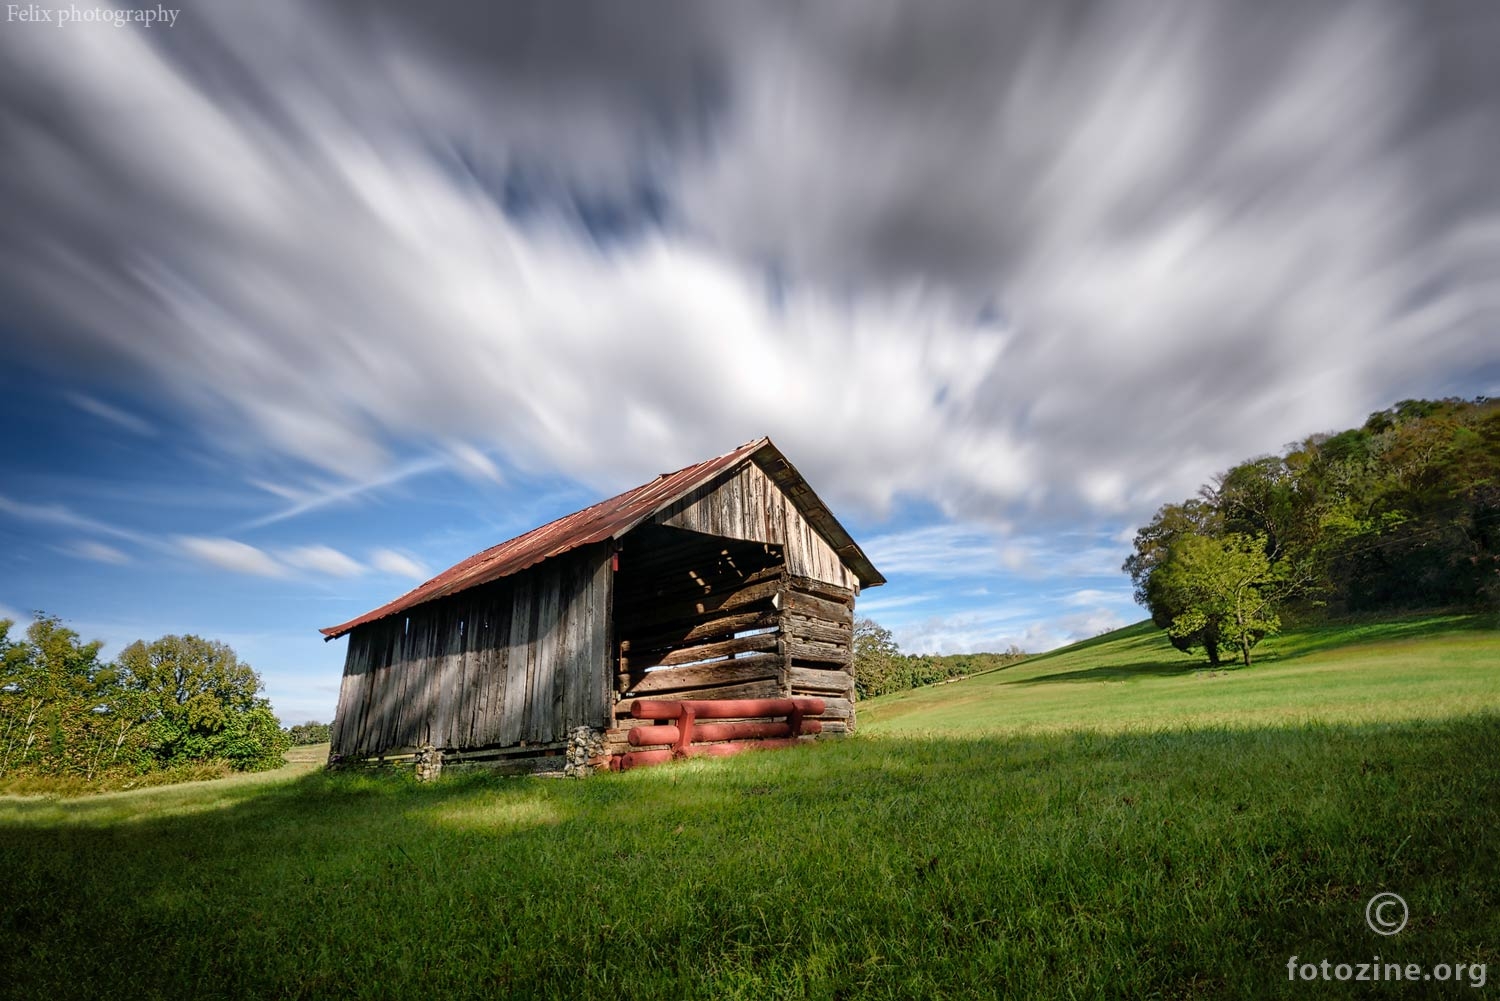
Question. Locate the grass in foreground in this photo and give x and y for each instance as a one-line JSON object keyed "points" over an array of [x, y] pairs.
{"points": [[1151, 851], [1423, 667], [1085, 865]]}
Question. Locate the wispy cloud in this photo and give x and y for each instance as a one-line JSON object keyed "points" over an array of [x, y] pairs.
{"points": [[89, 549], [323, 559], [939, 551], [65, 517], [229, 554], [879, 606], [307, 501], [994, 630], [957, 550], [113, 414], [398, 564]]}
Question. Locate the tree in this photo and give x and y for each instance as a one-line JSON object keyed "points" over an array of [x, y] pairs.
{"points": [[877, 659], [1153, 545], [1225, 587], [311, 732], [204, 703]]}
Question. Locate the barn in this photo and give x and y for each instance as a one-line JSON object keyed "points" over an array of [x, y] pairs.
{"points": [[722, 583]]}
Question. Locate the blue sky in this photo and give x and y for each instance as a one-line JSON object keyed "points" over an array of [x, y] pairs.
{"points": [[304, 303]]}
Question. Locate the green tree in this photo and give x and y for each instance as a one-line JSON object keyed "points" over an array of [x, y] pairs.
{"points": [[22, 699], [65, 675], [877, 660], [311, 732], [204, 703], [1196, 518], [1227, 587]]}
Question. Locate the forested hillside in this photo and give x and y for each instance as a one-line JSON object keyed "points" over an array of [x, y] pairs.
{"points": [[1400, 513]]}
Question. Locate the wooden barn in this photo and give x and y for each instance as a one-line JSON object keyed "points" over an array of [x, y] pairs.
{"points": [[727, 580]]}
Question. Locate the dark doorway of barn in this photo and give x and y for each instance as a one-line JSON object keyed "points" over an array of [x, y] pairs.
{"points": [[696, 615]]}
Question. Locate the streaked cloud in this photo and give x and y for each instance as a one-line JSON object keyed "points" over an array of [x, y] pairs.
{"points": [[229, 554], [64, 517], [323, 559], [398, 564], [787, 223], [326, 495], [113, 414], [89, 549]]}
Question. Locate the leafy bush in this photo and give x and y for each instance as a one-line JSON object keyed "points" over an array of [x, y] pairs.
{"points": [[181, 701]]}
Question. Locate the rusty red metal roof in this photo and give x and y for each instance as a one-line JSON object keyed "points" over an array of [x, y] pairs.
{"points": [[608, 519]]}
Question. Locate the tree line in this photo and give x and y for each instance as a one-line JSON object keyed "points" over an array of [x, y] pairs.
{"points": [[1401, 513], [881, 668], [176, 701]]}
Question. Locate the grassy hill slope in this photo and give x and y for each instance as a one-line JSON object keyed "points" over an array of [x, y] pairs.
{"points": [[1422, 667]]}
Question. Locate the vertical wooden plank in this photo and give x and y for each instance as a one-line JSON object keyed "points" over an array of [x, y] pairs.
{"points": [[475, 651], [606, 640], [503, 608], [383, 695], [518, 656], [564, 650], [783, 649], [353, 652], [543, 659], [444, 670]]}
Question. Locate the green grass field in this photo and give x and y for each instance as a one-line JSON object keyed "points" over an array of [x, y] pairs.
{"points": [[1429, 667], [1101, 822]]}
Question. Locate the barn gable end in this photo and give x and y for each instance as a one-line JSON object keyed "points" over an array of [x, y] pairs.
{"points": [[745, 503]]}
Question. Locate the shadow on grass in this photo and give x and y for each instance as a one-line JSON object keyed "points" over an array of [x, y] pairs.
{"points": [[1302, 640], [1200, 860], [1121, 672]]}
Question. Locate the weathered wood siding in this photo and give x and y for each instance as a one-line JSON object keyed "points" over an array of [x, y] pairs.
{"points": [[817, 629], [524, 659], [746, 504]]}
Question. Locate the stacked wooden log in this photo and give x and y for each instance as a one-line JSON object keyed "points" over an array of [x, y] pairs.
{"points": [[762, 634]]}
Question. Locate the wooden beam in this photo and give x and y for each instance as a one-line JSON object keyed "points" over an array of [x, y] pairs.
{"points": [[818, 653], [702, 651], [726, 625], [721, 672], [814, 679], [814, 607]]}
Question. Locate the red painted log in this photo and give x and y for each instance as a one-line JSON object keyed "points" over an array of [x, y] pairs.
{"points": [[726, 708], [638, 759], [642, 736]]}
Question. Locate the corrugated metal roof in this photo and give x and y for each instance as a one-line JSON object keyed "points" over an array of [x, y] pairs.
{"points": [[610, 519]]}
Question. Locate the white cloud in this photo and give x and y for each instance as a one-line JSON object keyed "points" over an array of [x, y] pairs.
{"points": [[882, 605], [326, 495], [98, 552], [473, 463], [958, 550], [323, 559], [21, 621], [113, 414], [398, 564], [65, 517], [229, 554], [1024, 266], [995, 630]]}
